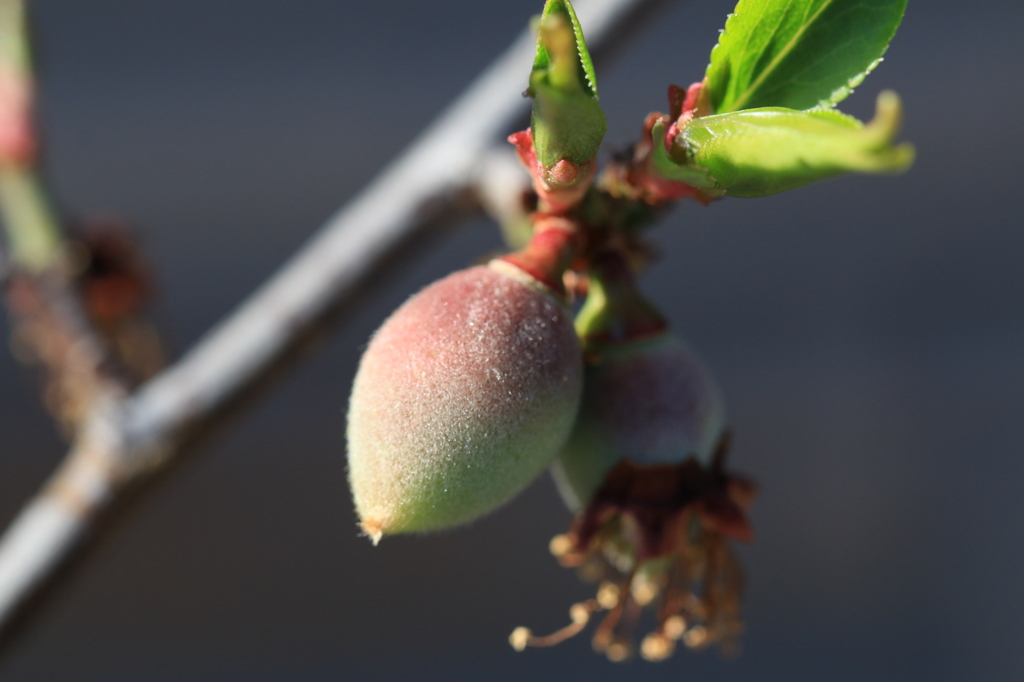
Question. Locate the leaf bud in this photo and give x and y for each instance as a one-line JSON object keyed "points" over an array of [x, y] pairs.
{"points": [[559, 149], [567, 122]]}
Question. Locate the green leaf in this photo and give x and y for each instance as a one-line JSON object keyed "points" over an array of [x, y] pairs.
{"points": [[670, 170], [579, 68], [798, 54], [758, 152], [567, 121]]}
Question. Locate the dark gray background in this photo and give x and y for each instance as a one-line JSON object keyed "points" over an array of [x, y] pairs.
{"points": [[868, 333]]}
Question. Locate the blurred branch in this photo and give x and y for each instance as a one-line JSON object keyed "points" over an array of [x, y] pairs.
{"points": [[505, 193], [124, 437]]}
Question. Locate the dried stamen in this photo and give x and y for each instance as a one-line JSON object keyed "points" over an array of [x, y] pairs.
{"points": [[656, 534], [580, 613], [619, 650], [696, 637], [608, 595], [644, 590], [674, 627], [560, 546], [604, 637], [657, 647]]}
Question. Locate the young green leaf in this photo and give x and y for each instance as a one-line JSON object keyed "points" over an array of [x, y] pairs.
{"points": [[581, 67], [567, 121], [798, 54], [758, 152], [668, 169]]}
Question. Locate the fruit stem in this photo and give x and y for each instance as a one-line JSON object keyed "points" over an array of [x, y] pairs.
{"points": [[615, 311], [551, 252]]}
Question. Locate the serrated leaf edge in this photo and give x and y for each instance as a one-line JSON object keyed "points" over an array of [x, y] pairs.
{"points": [[779, 56], [837, 95], [581, 49], [581, 46]]}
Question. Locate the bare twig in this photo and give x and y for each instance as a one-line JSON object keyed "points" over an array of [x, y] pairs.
{"points": [[123, 438]]}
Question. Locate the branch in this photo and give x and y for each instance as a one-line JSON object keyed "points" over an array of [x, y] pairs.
{"points": [[125, 437]]}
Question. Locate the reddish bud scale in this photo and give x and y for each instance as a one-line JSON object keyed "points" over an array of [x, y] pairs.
{"points": [[638, 178], [635, 179], [559, 188], [463, 396]]}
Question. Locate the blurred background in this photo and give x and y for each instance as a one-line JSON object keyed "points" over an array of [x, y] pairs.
{"points": [[868, 334]]}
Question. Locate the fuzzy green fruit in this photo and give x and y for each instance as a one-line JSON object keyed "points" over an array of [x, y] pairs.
{"points": [[651, 401], [463, 397]]}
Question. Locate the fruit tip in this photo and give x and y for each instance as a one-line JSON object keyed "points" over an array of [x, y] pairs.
{"points": [[373, 529]]}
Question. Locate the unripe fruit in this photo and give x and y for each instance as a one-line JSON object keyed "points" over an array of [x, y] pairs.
{"points": [[652, 401], [644, 472], [464, 396]]}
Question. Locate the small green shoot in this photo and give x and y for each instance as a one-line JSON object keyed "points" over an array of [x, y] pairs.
{"points": [[567, 121], [758, 152]]}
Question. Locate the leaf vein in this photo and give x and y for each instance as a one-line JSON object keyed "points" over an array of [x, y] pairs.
{"points": [[782, 54]]}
